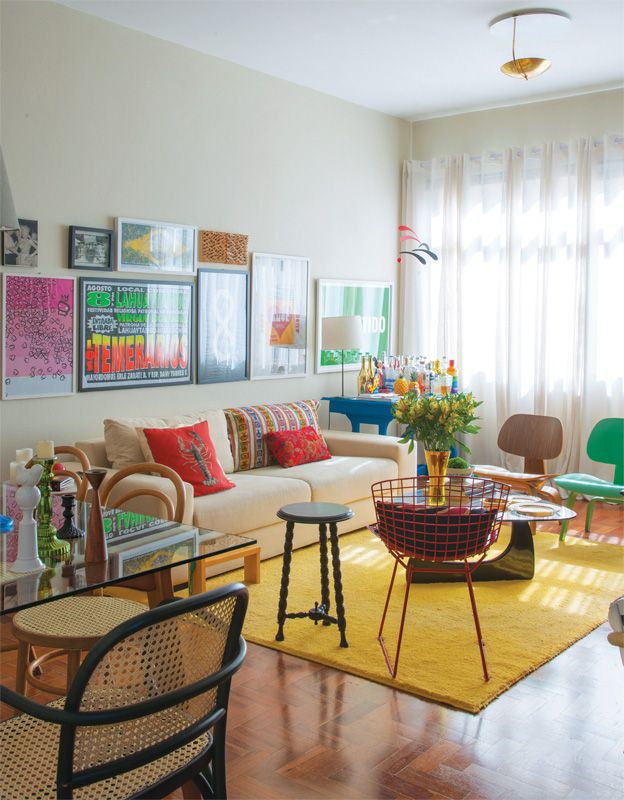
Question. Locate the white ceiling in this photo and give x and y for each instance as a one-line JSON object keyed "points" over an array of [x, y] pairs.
{"points": [[409, 58]]}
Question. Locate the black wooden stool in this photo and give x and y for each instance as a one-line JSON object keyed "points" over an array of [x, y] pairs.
{"points": [[320, 514]]}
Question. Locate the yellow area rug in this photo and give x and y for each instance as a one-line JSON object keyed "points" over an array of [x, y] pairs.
{"points": [[524, 623]]}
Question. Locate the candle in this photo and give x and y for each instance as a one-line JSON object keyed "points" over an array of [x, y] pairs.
{"points": [[24, 455], [45, 448], [13, 470]]}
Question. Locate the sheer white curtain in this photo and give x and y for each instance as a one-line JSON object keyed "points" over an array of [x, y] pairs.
{"points": [[528, 293]]}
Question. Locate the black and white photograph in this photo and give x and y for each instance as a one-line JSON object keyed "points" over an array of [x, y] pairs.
{"points": [[90, 248], [21, 246]]}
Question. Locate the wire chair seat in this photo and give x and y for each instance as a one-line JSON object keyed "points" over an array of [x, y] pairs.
{"points": [[435, 524]]}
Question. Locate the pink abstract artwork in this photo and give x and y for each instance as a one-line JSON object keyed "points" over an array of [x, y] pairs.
{"points": [[38, 337]]}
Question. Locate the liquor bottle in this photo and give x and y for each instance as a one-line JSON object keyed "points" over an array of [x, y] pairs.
{"points": [[369, 375], [452, 371], [361, 381]]}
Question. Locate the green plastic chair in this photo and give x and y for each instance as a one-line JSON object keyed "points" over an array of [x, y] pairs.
{"points": [[606, 445]]}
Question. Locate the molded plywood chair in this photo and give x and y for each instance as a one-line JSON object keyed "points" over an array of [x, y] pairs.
{"points": [[145, 715], [537, 439], [71, 625], [605, 445]]}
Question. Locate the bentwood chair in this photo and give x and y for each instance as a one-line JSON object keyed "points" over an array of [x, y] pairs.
{"points": [[605, 445], [450, 539], [145, 714], [71, 625], [537, 439]]}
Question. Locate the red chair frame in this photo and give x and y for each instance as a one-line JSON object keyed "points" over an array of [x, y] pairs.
{"points": [[421, 535]]}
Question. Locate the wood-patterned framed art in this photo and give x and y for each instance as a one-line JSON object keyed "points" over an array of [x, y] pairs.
{"points": [[163, 247], [135, 333], [279, 316], [222, 325], [37, 336]]}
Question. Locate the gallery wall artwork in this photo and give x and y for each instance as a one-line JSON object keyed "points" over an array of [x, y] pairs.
{"points": [[216, 247], [135, 333], [370, 300], [148, 246], [90, 248], [21, 246], [279, 316], [222, 331], [37, 336]]}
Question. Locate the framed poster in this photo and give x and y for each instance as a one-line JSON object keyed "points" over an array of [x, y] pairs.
{"points": [[279, 316], [147, 246], [37, 337], [134, 333], [372, 300], [222, 305], [21, 247], [90, 248]]}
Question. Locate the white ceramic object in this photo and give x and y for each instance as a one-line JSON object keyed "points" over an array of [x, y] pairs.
{"points": [[27, 498]]}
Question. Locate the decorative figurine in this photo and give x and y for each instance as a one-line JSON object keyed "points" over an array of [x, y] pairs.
{"points": [[27, 497], [69, 529]]}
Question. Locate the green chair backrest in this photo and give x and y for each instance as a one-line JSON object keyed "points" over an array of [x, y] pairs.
{"points": [[606, 445]]}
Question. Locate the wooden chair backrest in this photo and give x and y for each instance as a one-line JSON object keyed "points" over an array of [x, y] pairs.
{"points": [[534, 437], [174, 513], [82, 484]]}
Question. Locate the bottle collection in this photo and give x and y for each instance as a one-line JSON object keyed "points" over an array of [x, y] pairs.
{"points": [[401, 374]]}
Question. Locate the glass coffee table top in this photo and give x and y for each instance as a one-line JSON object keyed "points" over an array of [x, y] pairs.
{"points": [[137, 545]]}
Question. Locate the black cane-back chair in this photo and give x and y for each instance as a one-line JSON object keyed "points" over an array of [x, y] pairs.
{"points": [[444, 525], [145, 714]]}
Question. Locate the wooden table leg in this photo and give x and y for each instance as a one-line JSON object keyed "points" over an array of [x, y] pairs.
{"points": [[251, 566]]}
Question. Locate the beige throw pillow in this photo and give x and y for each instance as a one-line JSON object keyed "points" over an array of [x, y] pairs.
{"points": [[121, 441]]}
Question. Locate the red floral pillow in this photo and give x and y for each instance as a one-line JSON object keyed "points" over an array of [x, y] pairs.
{"points": [[191, 453], [290, 448]]}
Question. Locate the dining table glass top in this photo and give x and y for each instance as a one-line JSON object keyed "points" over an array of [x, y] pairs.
{"points": [[137, 545]]}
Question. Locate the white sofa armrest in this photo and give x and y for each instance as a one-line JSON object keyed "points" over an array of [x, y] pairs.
{"points": [[147, 504], [372, 445], [95, 450]]}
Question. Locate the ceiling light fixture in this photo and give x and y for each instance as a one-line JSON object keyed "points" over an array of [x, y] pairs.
{"points": [[535, 19]]}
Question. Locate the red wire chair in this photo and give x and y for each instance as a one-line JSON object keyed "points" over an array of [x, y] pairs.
{"points": [[424, 536]]}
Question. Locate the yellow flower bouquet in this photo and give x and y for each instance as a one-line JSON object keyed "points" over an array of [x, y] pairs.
{"points": [[436, 421]]}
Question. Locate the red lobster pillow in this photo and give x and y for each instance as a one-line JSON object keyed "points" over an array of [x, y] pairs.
{"points": [[191, 453], [291, 448]]}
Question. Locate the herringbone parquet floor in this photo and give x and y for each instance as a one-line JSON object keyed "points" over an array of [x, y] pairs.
{"points": [[298, 730]]}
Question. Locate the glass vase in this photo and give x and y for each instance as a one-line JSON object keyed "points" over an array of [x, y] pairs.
{"points": [[437, 463]]}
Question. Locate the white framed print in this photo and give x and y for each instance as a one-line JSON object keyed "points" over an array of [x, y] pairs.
{"points": [[370, 300], [279, 316], [158, 247]]}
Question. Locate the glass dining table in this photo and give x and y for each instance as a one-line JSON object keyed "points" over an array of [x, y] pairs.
{"points": [[137, 545]]}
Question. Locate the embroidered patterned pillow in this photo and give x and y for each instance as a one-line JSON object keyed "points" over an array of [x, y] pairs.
{"points": [[191, 453], [291, 448], [248, 426]]}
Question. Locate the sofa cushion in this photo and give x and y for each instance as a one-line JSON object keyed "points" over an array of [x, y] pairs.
{"points": [[190, 452], [341, 479], [247, 426], [253, 503], [123, 447], [291, 448]]}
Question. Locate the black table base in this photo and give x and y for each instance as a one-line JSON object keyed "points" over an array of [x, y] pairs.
{"points": [[321, 514], [515, 563]]}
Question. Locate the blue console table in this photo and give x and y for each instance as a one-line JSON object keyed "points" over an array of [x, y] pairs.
{"points": [[363, 410]]}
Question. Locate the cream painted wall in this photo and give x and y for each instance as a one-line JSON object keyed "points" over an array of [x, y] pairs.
{"points": [[531, 124], [99, 121]]}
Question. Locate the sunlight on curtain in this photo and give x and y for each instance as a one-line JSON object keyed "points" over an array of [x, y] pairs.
{"points": [[528, 293]]}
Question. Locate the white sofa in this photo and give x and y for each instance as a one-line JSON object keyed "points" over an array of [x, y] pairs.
{"points": [[249, 509]]}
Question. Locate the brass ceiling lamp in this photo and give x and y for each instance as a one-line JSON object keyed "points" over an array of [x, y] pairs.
{"points": [[536, 19]]}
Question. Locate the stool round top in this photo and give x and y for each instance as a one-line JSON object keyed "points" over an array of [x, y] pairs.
{"points": [[315, 513]]}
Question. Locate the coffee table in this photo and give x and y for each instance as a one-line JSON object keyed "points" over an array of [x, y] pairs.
{"points": [[137, 545]]}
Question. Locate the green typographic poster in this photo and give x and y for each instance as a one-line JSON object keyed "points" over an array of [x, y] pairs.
{"points": [[372, 301]]}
